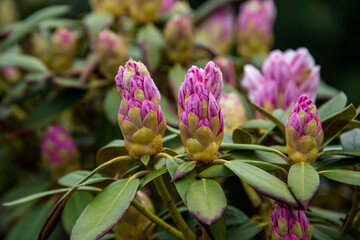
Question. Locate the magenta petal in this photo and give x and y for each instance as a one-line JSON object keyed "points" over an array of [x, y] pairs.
{"points": [[292, 222], [290, 236], [136, 82], [182, 95], [303, 221], [184, 118], [213, 108], [283, 212], [146, 107], [126, 95], [295, 122], [202, 92], [133, 102], [221, 122], [193, 104], [204, 122], [119, 78]]}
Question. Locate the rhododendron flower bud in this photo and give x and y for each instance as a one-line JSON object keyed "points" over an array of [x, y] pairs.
{"points": [[179, 38], [111, 51], [255, 27], [201, 120], [133, 225], [114, 7], [59, 151], [145, 10], [167, 6], [233, 112], [304, 134], [11, 74], [227, 68], [287, 224], [218, 29], [63, 49], [140, 116]]}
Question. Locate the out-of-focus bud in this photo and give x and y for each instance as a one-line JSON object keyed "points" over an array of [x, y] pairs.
{"points": [[133, 225], [59, 151], [8, 12], [140, 116], [111, 51], [304, 134], [255, 27], [233, 112], [38, 46], [287, 224], [201, 120], [11, 74], [145, 10], [63, 49], [179, 38], [218, 29], [167, 6], [227, 68], [114, 7]]}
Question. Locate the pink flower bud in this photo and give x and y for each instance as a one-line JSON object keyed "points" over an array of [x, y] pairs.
{"points": [[227, 68], [276, 69], [167, 5], [63, 49]]}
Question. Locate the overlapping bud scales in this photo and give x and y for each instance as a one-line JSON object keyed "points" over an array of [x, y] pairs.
{"points": [[133, 225], [145, 10], [287, 224], [114, 7], [233, 112], [284, 77], [304, 134], [140, 116], [255, 27], [59, 151], [218, 29], [227, 68], [201, 120], [179, 38], [111, 51]]}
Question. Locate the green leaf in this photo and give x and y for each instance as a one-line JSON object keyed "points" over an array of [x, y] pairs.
{"points": [[169, 111], [271, 117], [28, 24], [332, 106], [105, 210], [145, 159], [52, 107], [151, 41], [113, 149], [303, 181], [321, 232], [182, 185], [218, 229], [234, 216], [206, 201], [328, 215], [74, 208], [95, 22], [71, 179], [344, 176], [111, 104], [234, 146], [262, 181], [351, 140], [355, 153], [215, 171], [326, 91], [269, 167], [183, 169], [27, 62], [335, 163], [176, 76], [242, 136], [151, 176], [245, 232], [257, 124], [269, 157]]}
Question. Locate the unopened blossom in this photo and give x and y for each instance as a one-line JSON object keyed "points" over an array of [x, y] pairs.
{"points": [[218, 29], [283, 78], [11, 74], [255, 27], [304, 133], [233, 112], [167, 6], [288, 224], [59, 151], [113, 7], [226, 66], [145, 10], [111, 51], [179, 38], [201, 120], [140, 116], [133, 225]]}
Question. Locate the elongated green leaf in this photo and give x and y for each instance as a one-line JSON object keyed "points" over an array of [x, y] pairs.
{"points": [[113, 149], [95, 22], [206, 201], [176, 76], [218, 229], [328, 215], [242, 136], [245, 232], [344, 176], [327, 232], [182, 185], [234, 216], [169, 111], [183, 169], [351, 140], [271, 117], [111, 104], [332, 106], [325, 91], [303, 181], [71, 179], [217, 170], [105, 210], [336, 163], [355, 153], [262, 181], [27, 62], [151, 176], [31, 22], [145, 159], [257, 124], [269, 167]]}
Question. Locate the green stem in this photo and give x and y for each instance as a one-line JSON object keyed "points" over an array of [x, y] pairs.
{"points": [[158, 221], [352, 213], [176, 216]]}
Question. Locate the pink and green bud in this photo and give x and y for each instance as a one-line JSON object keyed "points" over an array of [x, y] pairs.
{"points": [[179, 38], [218, 29], [255, 27], [304, 134], [233, 112], [227, 68], [140, 117], [59, 151], [11, 74], [111, 51], [113, 7], [145, 10], [133, 225], [201, 120], [288, 224]]}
